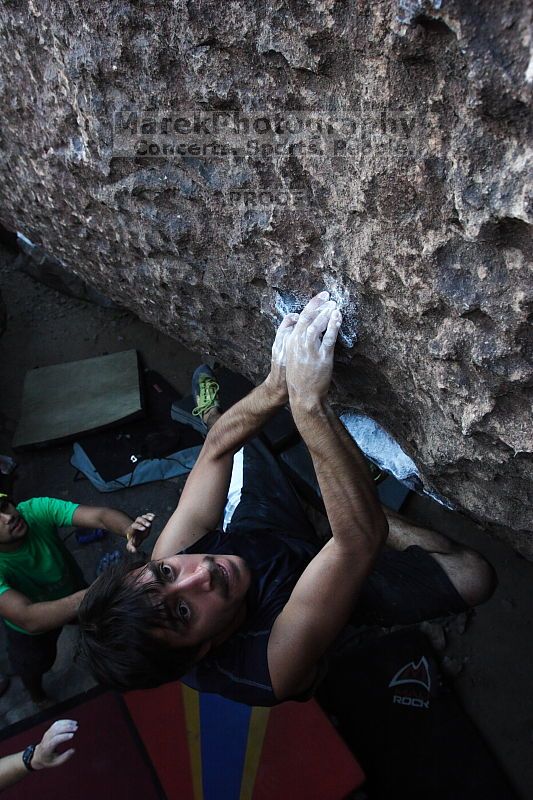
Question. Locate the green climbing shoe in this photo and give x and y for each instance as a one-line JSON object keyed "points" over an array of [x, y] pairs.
{"points": [[205, 391]]}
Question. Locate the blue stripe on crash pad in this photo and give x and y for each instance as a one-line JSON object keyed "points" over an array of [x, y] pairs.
{"points": [[224, 733]]}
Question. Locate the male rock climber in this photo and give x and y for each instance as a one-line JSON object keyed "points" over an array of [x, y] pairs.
{"points": [[252, 611], [41, 586]]}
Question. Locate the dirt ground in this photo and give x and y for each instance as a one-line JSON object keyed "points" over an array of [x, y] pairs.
{"points": [[492, 656]]}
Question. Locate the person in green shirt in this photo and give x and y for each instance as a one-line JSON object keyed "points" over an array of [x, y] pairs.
{"points": [[41, 585]]}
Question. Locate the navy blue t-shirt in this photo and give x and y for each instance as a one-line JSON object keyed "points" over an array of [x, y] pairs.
{"points": [[238, 669], [403, 588]]}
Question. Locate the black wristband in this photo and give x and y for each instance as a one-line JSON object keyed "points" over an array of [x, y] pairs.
{"points": [[28, 755]]}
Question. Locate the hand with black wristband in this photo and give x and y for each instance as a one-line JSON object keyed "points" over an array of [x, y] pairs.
{"points": [[41, 756]]}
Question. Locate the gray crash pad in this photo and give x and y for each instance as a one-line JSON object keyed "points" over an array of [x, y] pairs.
{"points": [[64, 400]]}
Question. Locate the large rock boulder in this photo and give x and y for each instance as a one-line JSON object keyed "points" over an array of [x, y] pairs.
{"points": [[209, 164]]}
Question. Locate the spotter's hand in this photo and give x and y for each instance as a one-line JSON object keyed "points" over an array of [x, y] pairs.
{"points": [[138, 531], [310, 350], [276, 379], [46, 754]]}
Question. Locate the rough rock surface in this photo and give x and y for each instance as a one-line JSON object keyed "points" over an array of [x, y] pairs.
{"points": [[386, 158]]}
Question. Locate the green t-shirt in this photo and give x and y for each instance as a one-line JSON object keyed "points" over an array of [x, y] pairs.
{"points": [[42, 568]]}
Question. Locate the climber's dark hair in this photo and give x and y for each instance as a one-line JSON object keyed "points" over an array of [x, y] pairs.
{"points": [[117, 617]]}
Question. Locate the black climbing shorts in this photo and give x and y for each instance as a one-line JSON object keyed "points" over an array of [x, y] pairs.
{"points": [[268, 500], [404, 587]]}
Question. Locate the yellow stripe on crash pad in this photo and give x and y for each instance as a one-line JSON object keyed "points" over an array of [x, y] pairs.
{"points": [[256, 735], [191, 703]]}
